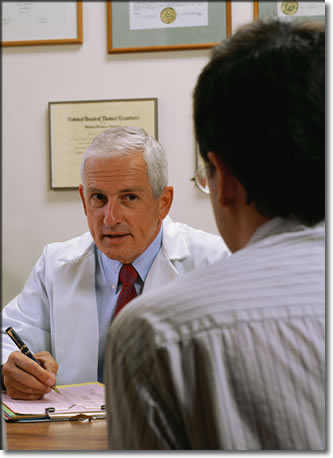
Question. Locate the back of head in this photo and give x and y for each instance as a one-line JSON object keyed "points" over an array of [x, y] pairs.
{"points": [[125, 141], [260, 105]]}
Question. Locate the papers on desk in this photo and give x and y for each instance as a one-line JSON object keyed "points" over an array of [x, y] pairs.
{"points": [[75, 402]]}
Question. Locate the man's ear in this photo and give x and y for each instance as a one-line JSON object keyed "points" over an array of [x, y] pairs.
{"points": [[225, 185], [166, 201], [81, 191]]}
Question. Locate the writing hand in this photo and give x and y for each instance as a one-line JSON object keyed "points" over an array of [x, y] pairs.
{"points": [[25, 379]]}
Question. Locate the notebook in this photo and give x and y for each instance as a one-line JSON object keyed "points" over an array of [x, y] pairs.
{"points": [[74, 402]]}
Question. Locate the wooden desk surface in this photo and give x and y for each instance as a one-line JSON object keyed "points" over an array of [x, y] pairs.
{"points": [[57, 435]]}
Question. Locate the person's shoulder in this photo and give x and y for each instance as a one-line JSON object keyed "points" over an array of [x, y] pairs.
{"points": [[250, 280], [70, 249], [174, 228], [179, 294], [267, 261], [196, 239], [164, 314]]}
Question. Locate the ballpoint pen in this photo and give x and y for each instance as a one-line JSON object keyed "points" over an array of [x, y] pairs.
{"points": [[24, 349]]}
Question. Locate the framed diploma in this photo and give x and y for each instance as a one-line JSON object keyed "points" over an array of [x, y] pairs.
{"points": [[164, 26], [290, 10], [41, 23], [73, 126]]}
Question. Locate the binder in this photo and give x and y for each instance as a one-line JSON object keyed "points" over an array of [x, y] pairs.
{"points": [[83, 401]]}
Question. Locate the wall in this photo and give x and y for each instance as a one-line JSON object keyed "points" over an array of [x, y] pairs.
{"points": [[34, 215]]}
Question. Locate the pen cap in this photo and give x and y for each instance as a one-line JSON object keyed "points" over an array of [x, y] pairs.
{"points": [[16, 338], [21, 345]]}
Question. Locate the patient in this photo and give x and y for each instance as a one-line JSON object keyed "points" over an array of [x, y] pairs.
{"points": [[232, 355]]}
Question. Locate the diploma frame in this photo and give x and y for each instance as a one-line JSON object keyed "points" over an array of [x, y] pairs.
{"points": [[269, 8], [73, 126], [28, 41], [166, 39], [255, 9]]}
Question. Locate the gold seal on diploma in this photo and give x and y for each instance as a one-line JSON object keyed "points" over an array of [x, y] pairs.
{"points": [[289, 8], [168, 15]]}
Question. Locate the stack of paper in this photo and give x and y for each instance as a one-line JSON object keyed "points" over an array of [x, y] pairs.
{"points": [[74, 402]]}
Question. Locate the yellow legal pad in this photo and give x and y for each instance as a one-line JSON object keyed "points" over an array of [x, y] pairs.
{"points": [[74, 402]]}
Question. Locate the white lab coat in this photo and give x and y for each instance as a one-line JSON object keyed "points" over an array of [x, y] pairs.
{"points": [[57, 309]]}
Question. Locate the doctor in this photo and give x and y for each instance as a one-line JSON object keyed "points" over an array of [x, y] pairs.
{"points": [[71, 296]]}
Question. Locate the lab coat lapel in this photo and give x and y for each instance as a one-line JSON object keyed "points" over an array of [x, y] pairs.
{"points": [[161, 272], [174, 249], [76, 330]]}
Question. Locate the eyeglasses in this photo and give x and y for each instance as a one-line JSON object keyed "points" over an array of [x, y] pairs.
{"points": [[200, 178]]}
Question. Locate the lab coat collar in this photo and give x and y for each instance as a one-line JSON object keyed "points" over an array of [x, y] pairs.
{"points": [[174, 242]]}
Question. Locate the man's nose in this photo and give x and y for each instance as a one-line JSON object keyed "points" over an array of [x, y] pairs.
{"points": [[112, 213]]}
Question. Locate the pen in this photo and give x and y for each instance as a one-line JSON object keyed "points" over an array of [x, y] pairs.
{"points": [[24, 349]]}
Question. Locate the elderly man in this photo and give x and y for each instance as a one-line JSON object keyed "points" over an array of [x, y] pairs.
{"points": [[240, 363], [77, 287]]}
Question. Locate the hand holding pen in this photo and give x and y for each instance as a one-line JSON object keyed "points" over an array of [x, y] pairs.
{"points": [[22, 377]]}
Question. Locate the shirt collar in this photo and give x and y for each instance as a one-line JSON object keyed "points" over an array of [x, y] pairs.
{"points": [[141, 264], [275, 226]]}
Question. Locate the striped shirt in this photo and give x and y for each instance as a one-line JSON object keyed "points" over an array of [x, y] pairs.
{"points": [[231, 356]]}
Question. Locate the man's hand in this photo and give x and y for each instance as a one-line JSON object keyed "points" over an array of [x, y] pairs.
{"points": [[25, 379]]}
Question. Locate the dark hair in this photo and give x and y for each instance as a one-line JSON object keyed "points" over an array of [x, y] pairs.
{"points": [[259, 104]]}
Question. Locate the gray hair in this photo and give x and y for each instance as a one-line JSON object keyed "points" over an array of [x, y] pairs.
{"points": [[124, 141]]}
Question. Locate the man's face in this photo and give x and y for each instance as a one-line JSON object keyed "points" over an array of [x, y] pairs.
{"points": [[122, 213]]}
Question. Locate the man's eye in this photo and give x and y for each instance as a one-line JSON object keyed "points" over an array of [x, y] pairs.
{"points": [[131, 197], [97, 199]]}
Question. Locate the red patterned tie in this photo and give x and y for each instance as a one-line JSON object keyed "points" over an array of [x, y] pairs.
{"points": [[127, 276]]}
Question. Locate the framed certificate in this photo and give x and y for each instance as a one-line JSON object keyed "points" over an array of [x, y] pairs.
{"points": [[41, 23], [164, 26], [290, 10], [73, 126]]}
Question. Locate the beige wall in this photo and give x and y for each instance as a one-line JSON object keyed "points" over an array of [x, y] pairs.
{"points": [[34, 215]]}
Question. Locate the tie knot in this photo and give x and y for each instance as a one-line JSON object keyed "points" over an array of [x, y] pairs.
{"points": [[128, 275]]}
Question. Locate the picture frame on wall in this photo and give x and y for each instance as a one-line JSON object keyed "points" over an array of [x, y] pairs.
{"points": [[41, 23], [73, 126], [166, 26], [290, 10]]}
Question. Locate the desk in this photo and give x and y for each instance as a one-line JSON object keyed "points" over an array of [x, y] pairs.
{"points": [[57, 435]]}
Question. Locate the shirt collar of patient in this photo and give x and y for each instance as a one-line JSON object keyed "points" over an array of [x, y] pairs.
{"points": [[141, 264]]}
